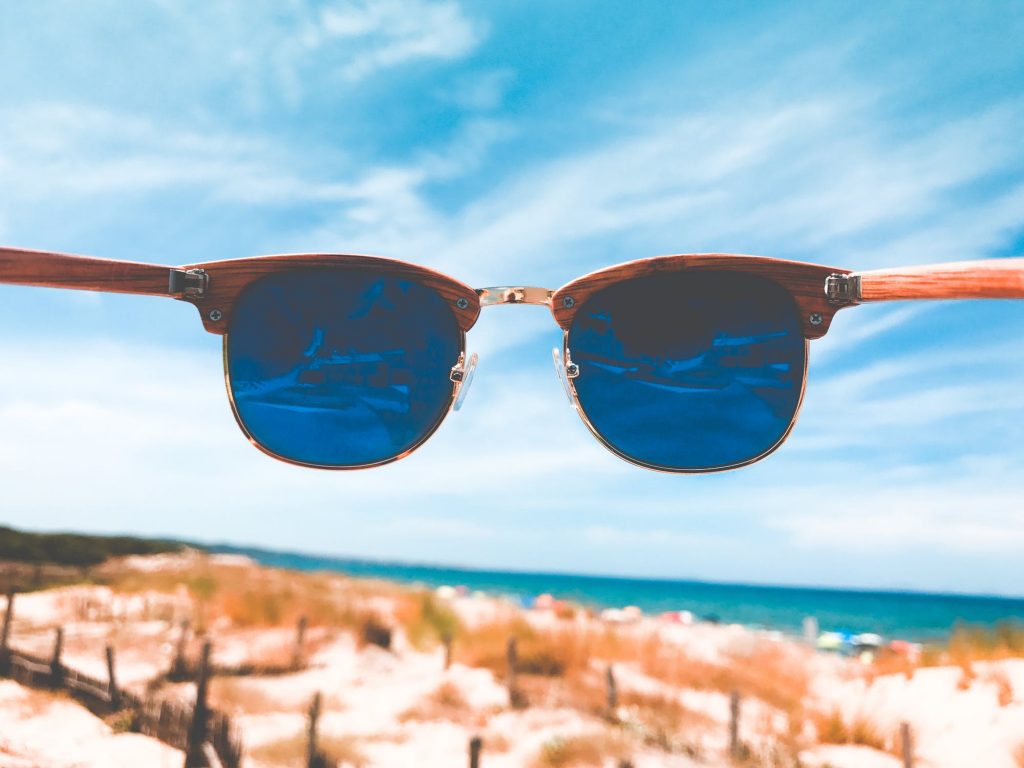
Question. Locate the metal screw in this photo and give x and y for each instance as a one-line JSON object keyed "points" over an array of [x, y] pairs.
{"points": [[462, 303], [816, 318], [568, 302], [216, 315]]}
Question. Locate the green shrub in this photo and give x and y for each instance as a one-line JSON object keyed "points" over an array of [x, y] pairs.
{"points": [[75, 549]]}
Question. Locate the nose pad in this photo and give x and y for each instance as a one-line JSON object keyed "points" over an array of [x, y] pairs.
{"points": [[556, 356], [462, 375]]}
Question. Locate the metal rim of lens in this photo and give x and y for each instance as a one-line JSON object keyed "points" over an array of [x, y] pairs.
{"points": [[689, 470], [336, 467]]}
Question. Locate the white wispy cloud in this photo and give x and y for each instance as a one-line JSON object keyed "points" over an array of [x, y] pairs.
{"points": [[681, 183], [849, 331], [61, 151], [387, 33], [275, 55], [661, 540], [911, 519], [480, 90], [157, 415], [728, 181]]}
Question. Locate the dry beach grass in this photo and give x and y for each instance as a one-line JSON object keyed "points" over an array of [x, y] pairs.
{"points": [[381, 705]]}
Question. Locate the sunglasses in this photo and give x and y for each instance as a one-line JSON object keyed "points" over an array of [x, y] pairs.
{"points": [[689, 363]]}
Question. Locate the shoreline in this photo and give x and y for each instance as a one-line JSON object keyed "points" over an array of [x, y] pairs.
{"points": [[903, 614], [766, 607], [375, 563]]}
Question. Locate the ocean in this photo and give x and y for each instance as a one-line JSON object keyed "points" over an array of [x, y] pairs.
{"points": [[917, 616]]}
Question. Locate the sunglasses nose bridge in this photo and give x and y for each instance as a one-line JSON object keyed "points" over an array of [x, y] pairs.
{"points": [[514, 294]]}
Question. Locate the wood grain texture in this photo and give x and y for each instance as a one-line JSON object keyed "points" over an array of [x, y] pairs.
{"points": [[806, 282], [84, 273], [988, 279], [229, 278]]}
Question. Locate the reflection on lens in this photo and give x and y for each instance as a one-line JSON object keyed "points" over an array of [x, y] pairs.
{"points": [[341, 368], [689, 370]]}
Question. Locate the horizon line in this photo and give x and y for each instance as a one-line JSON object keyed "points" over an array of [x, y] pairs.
{"points": [[342, 558]]}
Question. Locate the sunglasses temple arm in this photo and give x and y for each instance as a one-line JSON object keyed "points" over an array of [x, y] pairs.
{"points": [[986, 279], [86, 273]]}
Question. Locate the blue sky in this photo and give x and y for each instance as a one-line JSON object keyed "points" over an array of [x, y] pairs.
{"points": [[524, 143]]}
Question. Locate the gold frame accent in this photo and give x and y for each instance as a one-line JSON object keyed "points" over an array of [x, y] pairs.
{"points": [[456, 386], [578, 407], [514, 294]]}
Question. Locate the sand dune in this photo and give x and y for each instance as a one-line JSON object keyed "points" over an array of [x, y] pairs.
{"points": [[401, 707]]}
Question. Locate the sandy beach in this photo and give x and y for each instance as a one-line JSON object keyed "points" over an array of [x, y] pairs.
{"points": [[401, 706]]}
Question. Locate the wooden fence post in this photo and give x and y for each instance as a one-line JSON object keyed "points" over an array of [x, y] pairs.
{"points": [[907, 745], [164, 721], [195, 756], [446, 639], [299, 654], [5, 651], [734, 725], [312, 750], [613, 694], [112, 690], [179, 667], [512, 663], [475, 745], [56, 668], [222, 731], [228, 743]]}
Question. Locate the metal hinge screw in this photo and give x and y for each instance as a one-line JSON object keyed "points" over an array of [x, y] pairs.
{"points": [[816, 318], [462, 303], [216, 315], [842, 289], [191, 283], [568, 302]]}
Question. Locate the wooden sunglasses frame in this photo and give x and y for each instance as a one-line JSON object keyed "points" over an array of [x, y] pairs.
{"points": [[818, 292]]}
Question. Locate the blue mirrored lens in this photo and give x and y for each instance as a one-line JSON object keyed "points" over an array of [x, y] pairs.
{"points": [[691, 369], [341, 368]]}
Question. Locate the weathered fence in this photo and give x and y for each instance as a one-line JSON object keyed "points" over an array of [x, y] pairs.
{"points": [[208, 738], [205, 735], [183, 669]]}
